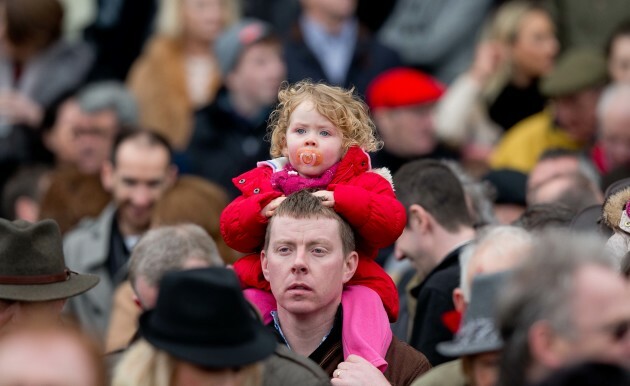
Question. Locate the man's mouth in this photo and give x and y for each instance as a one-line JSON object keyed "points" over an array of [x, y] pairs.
{"points": [[299, 287]]}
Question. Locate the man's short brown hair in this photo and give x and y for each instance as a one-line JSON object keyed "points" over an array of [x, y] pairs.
{"points": [[432, 185], [304, 205]]}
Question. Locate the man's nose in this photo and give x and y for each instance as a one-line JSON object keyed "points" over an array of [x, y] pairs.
{"points": [[300, 263], [398, 253], [141, 196]]}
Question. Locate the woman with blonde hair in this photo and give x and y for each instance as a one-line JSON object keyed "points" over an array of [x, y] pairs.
{"points": [[500, 89], [178, 71]]}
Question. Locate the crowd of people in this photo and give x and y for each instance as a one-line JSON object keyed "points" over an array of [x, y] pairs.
{"points": [[316, 192]]}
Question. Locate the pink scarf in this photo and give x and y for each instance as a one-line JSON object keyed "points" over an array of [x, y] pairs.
{"points": [[289, 181]]}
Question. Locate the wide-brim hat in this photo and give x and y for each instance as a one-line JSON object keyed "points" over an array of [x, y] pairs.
{"points": [[479, 333], [202, 317], [32, 265]]}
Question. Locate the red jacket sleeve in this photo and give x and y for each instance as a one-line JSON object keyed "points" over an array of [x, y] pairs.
{"points": [[242, 226], [369, 204], [249, 272]]}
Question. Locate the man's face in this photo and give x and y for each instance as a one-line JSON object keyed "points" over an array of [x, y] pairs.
{"points": [[548, 169], [331, 9], [576, 114], [407, 132], [484, 369], [411, 245], [615, 135], [61, 138], [94, 137], [141, 175], [601, 317], [258, 74], [14, 313], [619, 60], [305, 265]]}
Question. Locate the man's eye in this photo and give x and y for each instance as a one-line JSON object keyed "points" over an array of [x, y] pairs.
{"points": [[319, 251], [283, 250]]}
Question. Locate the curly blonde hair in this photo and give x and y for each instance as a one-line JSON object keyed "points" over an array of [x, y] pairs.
{"points": [[341, 107]]}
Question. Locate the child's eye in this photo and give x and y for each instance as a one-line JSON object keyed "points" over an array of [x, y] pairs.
{"points": [[324, 133], [300, 130]]}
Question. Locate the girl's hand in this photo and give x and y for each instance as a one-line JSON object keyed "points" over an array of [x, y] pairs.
{"points": [[326, 196], [270, 208], [356, 371]]}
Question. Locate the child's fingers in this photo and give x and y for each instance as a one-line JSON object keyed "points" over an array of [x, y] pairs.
{"points": [[328, 203]]}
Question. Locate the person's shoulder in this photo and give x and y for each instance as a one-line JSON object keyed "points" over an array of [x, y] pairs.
{"points": [[534, 125], [445, 277], [90, 227], [406, 363], [446, 374], [287, 368]]}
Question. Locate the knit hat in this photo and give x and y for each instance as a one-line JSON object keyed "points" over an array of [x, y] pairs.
{"points": [[401, 87], [236, 39]]}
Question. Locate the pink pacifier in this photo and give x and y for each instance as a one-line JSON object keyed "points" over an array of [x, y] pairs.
{"points": [[308, 156]]}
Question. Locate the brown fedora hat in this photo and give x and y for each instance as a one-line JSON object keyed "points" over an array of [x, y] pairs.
{"points": [[32, 266]]}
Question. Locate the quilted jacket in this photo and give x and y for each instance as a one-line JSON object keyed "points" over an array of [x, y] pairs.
{"points": [[364, 197]]}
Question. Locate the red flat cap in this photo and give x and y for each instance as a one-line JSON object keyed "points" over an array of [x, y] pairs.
{"points": [[401, 86]]}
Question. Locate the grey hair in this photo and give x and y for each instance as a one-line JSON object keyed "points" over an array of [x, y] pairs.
{"points": [[110, 95], [541, 289], [168, 248], [477, 192], [504, 241], [613, 92]]}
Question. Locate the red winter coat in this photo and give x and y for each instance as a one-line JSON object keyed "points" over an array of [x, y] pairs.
{"points": [[364, 198]]}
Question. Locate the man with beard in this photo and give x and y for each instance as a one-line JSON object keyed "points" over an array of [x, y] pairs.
{"points": [[137, 175]]}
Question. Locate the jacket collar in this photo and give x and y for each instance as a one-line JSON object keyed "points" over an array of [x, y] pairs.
{"points": [[452, 259]]}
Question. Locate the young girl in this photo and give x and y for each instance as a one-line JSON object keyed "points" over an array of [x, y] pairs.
{"points": [[319, 138]]}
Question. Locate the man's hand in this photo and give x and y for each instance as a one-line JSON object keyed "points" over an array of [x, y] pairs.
{"points": [[356, 371], [326, 196], [270, 208]]}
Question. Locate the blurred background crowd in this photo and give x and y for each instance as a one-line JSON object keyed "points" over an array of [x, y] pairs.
{"points": [[121, 116]]}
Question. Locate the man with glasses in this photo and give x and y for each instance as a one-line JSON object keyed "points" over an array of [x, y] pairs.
{"points": [[566, 304]]}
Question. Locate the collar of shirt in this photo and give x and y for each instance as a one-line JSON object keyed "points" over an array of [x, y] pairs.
{"points": [[276, 325]]}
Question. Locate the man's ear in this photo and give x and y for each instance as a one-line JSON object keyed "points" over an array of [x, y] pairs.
{"points": [[171, 175], [137, 301], [26, 209], [107, 176], [264, 262], [546, 347], [381, 117], [459, 301], [419, 217], [350, 266]]}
